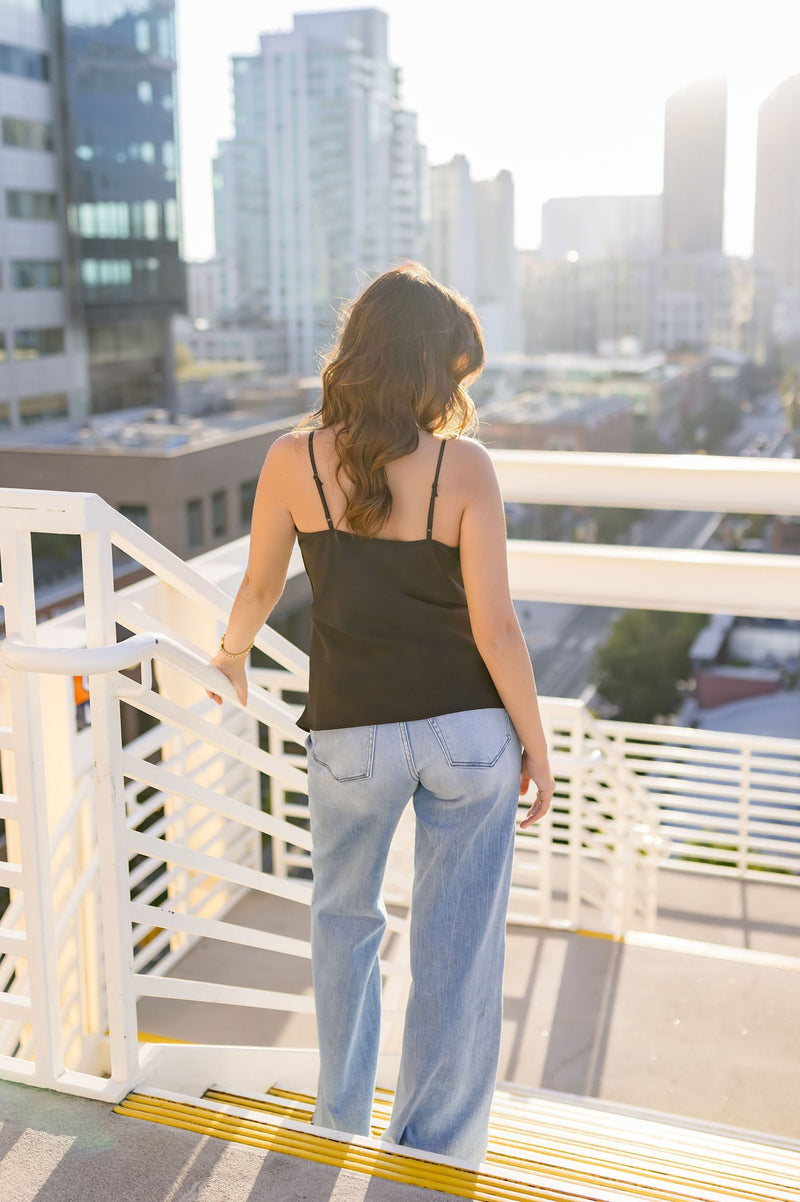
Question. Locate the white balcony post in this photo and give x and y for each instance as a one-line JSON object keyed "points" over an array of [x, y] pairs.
{"points": [[621, 882], [32, 847], [112, 828], [576, 819], [275, 746]]}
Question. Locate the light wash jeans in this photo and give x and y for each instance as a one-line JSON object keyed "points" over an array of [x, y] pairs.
{"points": [[461, 770]]}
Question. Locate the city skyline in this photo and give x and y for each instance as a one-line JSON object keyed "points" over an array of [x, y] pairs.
{"points": [[571, 134]]}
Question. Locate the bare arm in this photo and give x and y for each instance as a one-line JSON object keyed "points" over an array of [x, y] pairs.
{"points": [[494, 622], [272, 536]]}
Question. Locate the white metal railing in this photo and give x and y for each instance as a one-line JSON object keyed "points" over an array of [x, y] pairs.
{"points": [[181, 839], [597, 823], [173, 818], [177, 842], [729, 804]]}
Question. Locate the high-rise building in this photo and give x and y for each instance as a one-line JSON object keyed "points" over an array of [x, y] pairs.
{"points": [[776, 241], [89, 223], [694, 167], [471, 247], [320, 187], [601, 227], [121, 167], [497, 285], [451, 254]]}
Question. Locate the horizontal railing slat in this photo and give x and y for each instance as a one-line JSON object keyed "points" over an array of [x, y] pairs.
{"points": [[14, 1006], [221, 804], [11, 876], [229, 995], [13, 943]]}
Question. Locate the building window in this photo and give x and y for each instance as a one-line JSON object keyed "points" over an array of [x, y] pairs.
{"points": [[194, 522], [31, 206], [219, 512], [150, 219], [34, 344], [39, 408], [5, 413], [144, 91], [106, 219], [166, 46], [168, 161], [35, 273], [30, 135], [106, 273], [3, 355], [28, 64], [247, 493], [171, 220], [140, 514], [142, 35]]}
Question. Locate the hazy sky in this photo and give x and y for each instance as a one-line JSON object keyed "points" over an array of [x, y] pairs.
{"points": [[566, 94]]}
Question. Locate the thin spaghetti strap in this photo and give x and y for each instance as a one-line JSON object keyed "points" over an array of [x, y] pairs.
{"points": [[318, 481], [434, 490]]}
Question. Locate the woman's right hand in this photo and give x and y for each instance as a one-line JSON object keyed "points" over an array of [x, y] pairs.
{"points": [[539, 772]]}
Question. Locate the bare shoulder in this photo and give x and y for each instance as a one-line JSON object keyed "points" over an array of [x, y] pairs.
{"points": [[282, 452], [471, 463]]}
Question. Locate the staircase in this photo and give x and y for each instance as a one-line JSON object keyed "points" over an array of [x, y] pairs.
{"points": [[125, 852], [541, 1146]]}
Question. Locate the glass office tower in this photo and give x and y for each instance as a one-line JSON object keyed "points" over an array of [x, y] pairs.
{"points": [[120, 131]]}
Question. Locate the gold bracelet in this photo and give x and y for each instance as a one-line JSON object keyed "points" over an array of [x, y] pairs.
{"points": [[234, 654]]}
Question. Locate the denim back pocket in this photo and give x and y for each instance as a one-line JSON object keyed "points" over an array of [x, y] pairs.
{"points": [[348, 753], [473, 738]]}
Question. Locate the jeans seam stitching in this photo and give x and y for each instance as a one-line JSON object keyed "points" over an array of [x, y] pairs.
{"points": [[412, 767]]}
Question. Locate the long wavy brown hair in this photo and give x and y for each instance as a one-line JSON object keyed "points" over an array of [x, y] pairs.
{"points": [[402, 349]]}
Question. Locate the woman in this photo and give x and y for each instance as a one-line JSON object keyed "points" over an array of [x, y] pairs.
{"points": [[420, 686]]}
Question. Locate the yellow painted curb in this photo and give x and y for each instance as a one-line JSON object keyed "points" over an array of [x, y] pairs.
{"points": [[149, 1037], [600, 935]]}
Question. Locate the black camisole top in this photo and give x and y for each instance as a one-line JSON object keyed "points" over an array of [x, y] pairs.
{"points": [[390, 633]]}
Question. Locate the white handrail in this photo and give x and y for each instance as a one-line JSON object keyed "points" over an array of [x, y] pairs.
{"points": [[140, 648], [704, 482]]}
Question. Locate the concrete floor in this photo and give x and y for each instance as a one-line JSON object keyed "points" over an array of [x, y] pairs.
{"points": [[59, 1148], [712, 1037]]}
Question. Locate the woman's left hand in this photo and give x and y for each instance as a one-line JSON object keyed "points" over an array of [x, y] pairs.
{"points": [[236, 673]]}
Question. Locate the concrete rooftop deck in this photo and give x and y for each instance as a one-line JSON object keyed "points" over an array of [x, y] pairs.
{"points": [[687, 1029], [710, 1034], [58, 1148]]}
